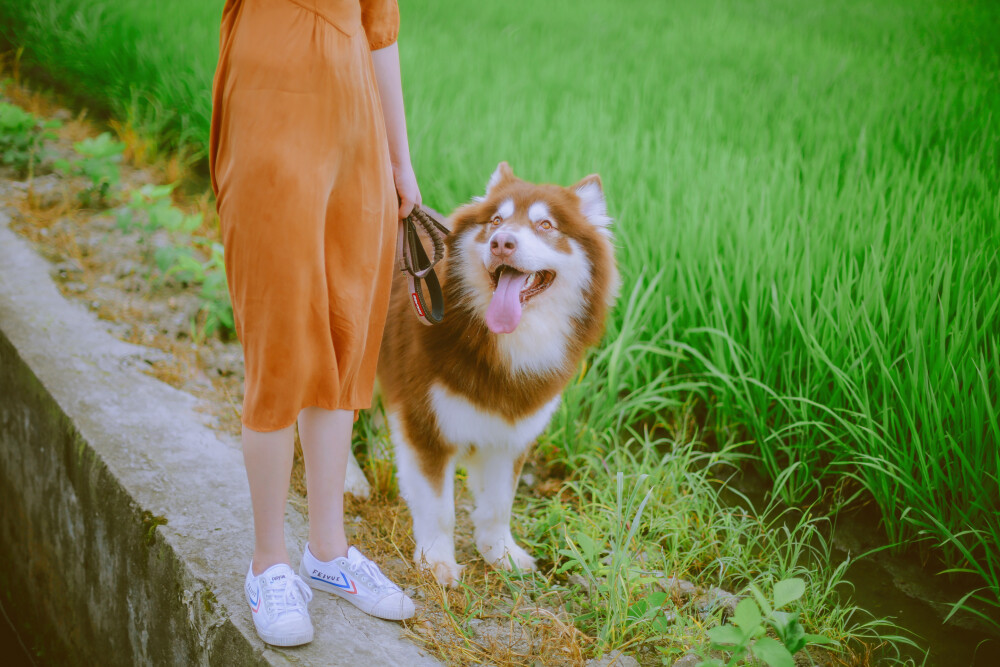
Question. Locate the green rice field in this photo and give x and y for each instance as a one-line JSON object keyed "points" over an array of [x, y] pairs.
{"points": [[807, 205]]}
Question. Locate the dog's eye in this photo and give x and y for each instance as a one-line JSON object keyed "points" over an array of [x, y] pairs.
{"points": [[496, 220], [545, 224]]}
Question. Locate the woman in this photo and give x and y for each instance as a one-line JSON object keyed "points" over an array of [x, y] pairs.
{"points": [[311, 168]]}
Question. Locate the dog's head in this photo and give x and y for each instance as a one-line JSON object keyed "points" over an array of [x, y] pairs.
{"points": [[531, 256]]}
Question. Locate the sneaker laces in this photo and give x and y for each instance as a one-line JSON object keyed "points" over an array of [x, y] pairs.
{"points": [[288, 598], [365, 566]]}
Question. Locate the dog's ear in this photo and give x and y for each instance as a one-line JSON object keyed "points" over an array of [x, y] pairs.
{"points": [[592, 202], [502, 173]]}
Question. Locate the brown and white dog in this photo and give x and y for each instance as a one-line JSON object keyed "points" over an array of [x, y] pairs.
{"points": [[528, 280]]}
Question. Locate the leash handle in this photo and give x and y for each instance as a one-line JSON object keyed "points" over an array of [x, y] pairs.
{"points": [[419, 268], [415, 261]]}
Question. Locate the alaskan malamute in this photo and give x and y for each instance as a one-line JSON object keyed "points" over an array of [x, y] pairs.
{"points": [[528, 280]]}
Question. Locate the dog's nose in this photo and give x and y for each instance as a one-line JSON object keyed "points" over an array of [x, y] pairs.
{"points": [[503, 244]]}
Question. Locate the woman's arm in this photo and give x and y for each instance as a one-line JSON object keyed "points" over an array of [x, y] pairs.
{"points": [[390, 90]]}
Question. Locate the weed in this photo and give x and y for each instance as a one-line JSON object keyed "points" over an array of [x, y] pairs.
{"points": [[149, 210], [150, 522], [216, 308], [22, 137], [97, 160], [209, 601], [616, 610], [747, 631]]}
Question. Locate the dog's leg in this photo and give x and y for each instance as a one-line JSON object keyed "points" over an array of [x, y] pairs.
{"points": [[356, 483], [492, 478], [432, 505]]}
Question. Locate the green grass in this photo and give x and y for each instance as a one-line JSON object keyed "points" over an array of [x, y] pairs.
{"points": [[809, 189], [149, 66]]}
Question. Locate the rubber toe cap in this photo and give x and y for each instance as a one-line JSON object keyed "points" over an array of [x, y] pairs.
{"points": [[396, 607]]}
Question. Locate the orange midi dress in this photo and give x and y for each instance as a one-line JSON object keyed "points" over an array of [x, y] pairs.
{"points": [[300, 166]]}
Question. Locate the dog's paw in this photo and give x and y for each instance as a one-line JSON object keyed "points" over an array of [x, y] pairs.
{"points": [[447, 573], [441, 563], [355, 481], [517, 558], [507, 555]]}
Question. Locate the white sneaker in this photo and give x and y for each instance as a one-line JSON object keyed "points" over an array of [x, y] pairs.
{"points": [[360, 582], [279, 601]]}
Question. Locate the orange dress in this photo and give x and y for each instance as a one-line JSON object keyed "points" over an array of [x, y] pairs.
{"points": [[300, 166]]}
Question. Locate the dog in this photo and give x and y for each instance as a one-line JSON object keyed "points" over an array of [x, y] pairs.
{"points": [[528, 279]]}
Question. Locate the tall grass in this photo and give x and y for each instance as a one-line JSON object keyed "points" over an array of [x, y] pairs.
{"points": [[148, 65], [807, 197]]}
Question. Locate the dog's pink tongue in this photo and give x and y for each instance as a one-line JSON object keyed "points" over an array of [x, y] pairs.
{"points": [[504, 311]]}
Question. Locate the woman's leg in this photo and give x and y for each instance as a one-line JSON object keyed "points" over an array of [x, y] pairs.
{"points": [[268, 459], [326, 442]]}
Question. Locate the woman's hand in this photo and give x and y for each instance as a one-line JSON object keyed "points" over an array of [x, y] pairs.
{"points": [[406, 188]]}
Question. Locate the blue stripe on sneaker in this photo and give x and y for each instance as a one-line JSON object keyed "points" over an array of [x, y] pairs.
{"points": [[352, 589]]}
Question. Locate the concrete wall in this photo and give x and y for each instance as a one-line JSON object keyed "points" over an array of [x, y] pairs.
{"points": [[125, 520], [86, 568]]}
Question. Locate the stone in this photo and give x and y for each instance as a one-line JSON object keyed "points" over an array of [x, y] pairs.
{"points": [[67, 267], [613, 659], [717, 598], [678, 587]]}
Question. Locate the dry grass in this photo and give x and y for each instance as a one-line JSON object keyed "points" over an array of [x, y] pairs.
{"points": [[138, 149], [488, 619]]}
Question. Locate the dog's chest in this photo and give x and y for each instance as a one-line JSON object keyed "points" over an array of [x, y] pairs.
{"points": [[464, 423]]}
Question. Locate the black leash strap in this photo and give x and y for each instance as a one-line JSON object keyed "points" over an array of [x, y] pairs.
{"points": [[418, 267]]}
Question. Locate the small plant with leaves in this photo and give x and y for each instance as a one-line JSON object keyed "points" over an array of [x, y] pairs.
{"points": [[22, 137], [150, 209], [97, 160], [216, 308], [747, 632]]}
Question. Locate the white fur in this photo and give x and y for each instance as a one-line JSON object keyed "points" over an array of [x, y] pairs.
{"points": [[506, 208], [490, 466], [498, 443], [538, 211], [492, 482], [538, 344], [494, 179], [433, 513], [355, 481], [463, 423], [594, 206]]}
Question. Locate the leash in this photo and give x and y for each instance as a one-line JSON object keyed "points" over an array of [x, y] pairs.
{"points": [[419, 269]]}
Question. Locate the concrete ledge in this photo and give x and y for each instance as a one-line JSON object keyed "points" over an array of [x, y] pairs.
{"points": [[124, 518]]}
